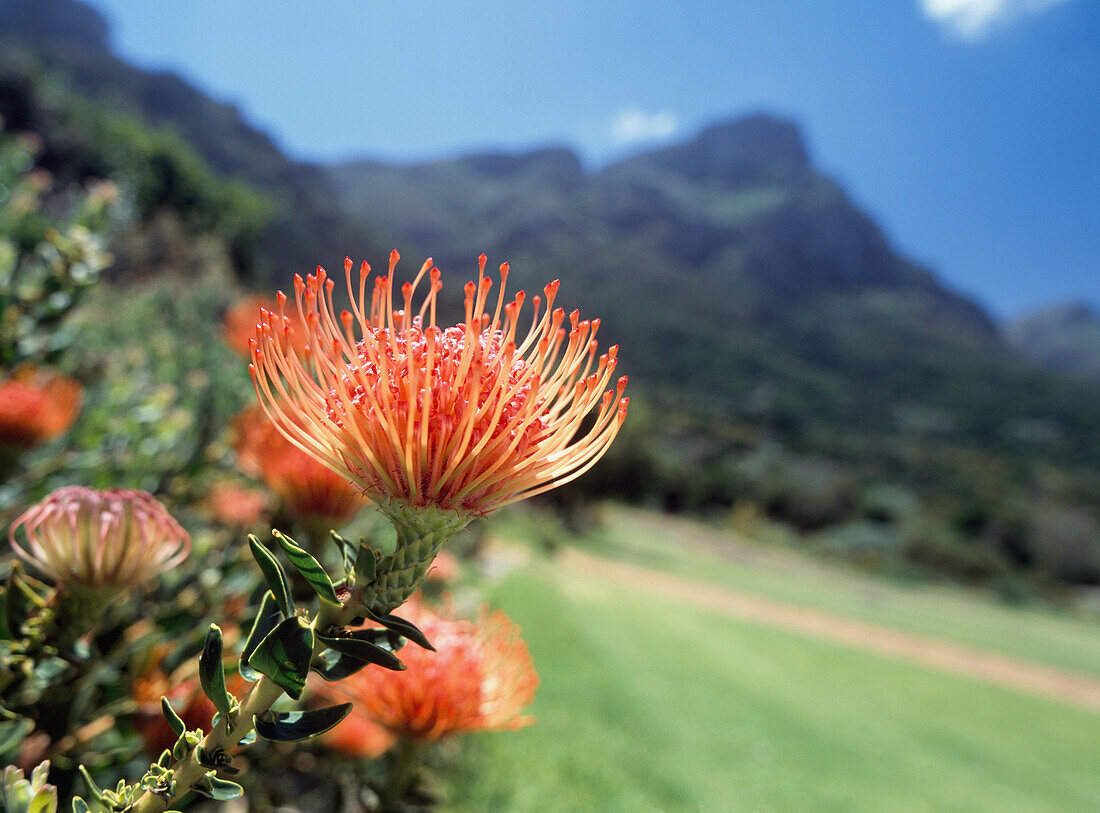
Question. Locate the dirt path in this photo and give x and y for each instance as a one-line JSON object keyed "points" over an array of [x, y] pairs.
{"points": [[990, 667]]}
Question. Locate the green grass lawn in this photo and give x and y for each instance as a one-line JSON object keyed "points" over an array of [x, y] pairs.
{"points": [[651, 708], [689, 548]]}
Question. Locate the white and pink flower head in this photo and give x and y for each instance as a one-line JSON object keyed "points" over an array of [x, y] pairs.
{"points": [[100, 539]]}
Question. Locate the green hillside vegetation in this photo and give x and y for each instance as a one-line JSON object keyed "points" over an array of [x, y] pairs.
{"points": [[787, 364], [1064, 337]]}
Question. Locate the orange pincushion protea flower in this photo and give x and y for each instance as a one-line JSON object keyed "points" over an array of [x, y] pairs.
{"points": [[478, 679], [36, 406], [100, 539], [467, 419], [307, 488]]}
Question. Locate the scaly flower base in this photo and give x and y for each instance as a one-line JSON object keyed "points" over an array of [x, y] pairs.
{"points": [[421, 533]]}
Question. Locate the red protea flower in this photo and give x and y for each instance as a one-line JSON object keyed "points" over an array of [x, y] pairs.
{"points": [[36, 406], [83, 538], [307, 488], [478, 679], [465, 419]]}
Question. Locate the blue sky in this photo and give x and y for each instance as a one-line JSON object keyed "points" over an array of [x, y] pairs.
{"points": [[970, 129]]}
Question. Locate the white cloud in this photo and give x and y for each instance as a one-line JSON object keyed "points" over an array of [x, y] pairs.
{"points": [[973, 19], [632, 125]]}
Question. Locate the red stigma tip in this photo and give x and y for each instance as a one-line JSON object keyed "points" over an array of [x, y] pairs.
{"points": [[347, 265], [364, 268], [394, 256], [482, 260]]}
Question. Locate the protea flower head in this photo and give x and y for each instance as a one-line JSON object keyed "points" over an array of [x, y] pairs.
{"points": [[82, 538], [479, 678], [37, 405], [307, 488], [464, 419]]}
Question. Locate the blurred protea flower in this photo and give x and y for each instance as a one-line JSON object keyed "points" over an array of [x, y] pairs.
{"points": [[445, 568], [81, 538], [235, 505], [308, 489], [465, 419], [239, 324], [478, 679], [37, 405], [359, 736]]}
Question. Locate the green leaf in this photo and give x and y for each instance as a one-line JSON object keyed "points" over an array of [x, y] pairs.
{"points": [[220, 789], [334, 666], [310, 568], [93, 789], [15, 607], [173, 719], [44, 801], [80, 806], [211, 672], [292, 726], [268, 618], [6, 633], [366, 563], [284, 655], [361, 646], [273, 575], [404, 628], [12, 733], [347, 552]]}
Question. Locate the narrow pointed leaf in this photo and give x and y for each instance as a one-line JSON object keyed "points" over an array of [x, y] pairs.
{"points": [[273, 575], [94, 790], [292, 726], [366, 563], [347, 552], [310, 568], [333, 665], [267, 619], [173, 719], [211, 672], [405, 629], [363, 649], [284, 655]]}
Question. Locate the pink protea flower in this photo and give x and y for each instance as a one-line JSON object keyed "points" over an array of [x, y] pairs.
{"points": [[79, 537], [479, 679], [465, 419], [36, 406]]}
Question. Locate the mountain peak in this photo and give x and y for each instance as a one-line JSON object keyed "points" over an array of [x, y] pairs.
{"points": [[54, 22], [743, 150]]}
